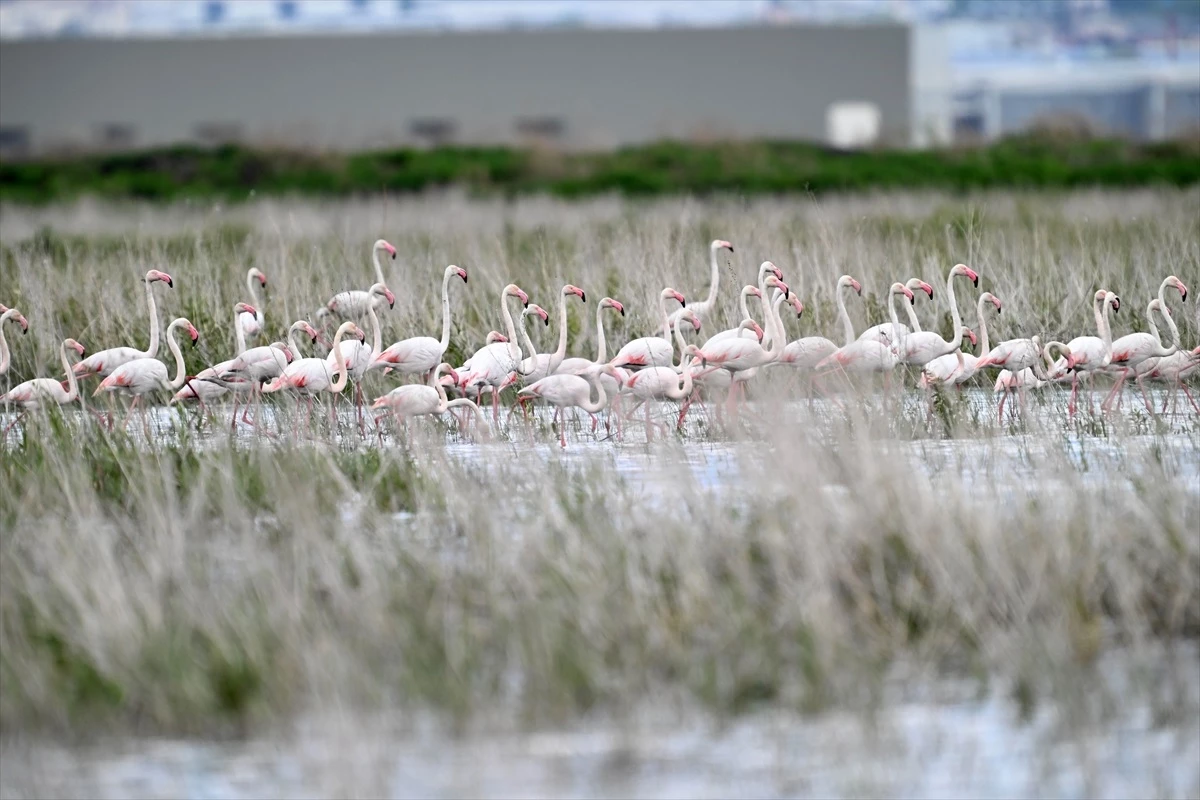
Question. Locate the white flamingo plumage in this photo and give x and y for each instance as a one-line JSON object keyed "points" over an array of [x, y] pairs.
{"points": [[359, 355], [653, 351], [540, 365], [957, 368], [420, 355], [252, 323], [142, 376], [309, 377], [809, 351], [918, 348], [867, 356], [201, 387], [666, 383], [1088, 354], [572, 391], [1135, 349], [417, 399], [7, 314], [353, 304], [890, 332], [39, 391], [495, 365], [104, 362]]}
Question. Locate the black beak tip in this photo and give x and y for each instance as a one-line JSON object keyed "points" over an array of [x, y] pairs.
{"points": [[975, 281], [583, 296], [622, 312], [683, 303], [170, 283]]}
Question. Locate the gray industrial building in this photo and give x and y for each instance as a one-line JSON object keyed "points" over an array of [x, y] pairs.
{"points": [[574, 89]]}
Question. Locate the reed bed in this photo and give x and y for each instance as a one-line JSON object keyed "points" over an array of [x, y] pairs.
{"points": [[199, 582]]}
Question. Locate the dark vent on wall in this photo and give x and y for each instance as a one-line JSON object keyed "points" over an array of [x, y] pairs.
{"points": [[218, 132], [541, 127], [433, 131], [115, 135], [14, 142]]}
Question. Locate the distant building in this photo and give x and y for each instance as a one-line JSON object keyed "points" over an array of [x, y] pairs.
{"points": [[852, 85]]}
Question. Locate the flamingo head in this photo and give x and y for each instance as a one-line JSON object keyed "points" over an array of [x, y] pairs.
{"points": [[245, 308], [496, 337], [721, 244], [856, 286], [154, 275], [608, 302], [776, 282], [769, 266], [751, 291], [900, 288], [919, 285], [1178, 284], [970, 334], [796, 304], [696, 353], [312, 333], [19, 318], [534, 310], [288, 356], [382, 291], [193, 333], [965, 271], [381, 244], [258, 276], [575, 290], [1114, 301], [690, 315], [512, 290], [991, 298], [751, 325], [459, 271], [74, 345], [671, 294]]}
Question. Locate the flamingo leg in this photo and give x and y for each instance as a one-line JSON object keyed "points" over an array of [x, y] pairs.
{"points": [[1074, 393], [1145, 397], [649, 435], [1189, 397], [1000, 418]]}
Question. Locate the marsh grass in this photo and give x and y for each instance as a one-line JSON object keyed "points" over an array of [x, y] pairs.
{"points": [[204, 583]]}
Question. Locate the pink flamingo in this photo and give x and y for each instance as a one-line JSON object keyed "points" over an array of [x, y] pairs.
{"points": [[765, 270], [610, 383], [420, 355], [1032, 377], [16, 316], [705, 307], [34, 393], [495, 365], [416, 399], [201, 387], [1089, 354], [359, 355], [1175, 370], [142, 376], [957, 368], [252, 323], [867, 356], [665, 383], [918, 348], [573, 391], [353, 304], [809, 351], [539, 365], [312, 376], [888, 332], [1130, 352], [747, 292], [104, 362], [653, 351]]}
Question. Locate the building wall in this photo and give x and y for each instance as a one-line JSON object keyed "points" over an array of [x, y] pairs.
{"points": [[580, 89]]}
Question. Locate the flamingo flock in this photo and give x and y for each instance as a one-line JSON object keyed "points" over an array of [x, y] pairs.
{"points": [[646, 371]]}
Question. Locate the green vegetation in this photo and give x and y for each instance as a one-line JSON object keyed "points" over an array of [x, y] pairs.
{"points": [[769, 167]]}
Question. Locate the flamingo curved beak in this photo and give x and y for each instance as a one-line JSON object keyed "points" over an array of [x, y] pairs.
{"points": [[856, 286], [696, 323], [912, 299], [618, 307], [195, 334], [973, 275], [680, 299], [262, 280], [927, 289], [524, 298], [24, 323], [462, 273], [391, 298]]}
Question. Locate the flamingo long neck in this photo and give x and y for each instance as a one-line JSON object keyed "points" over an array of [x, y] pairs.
{"points": [[436, 383], [774, 335], [680, 343], [662, 308], [1097, 305], [4, 358], [378, 267], [295, 348], [954, 310], [1043, 374], [152, 349], [561, 351], [913, 322], [526, 342], [685, 387], [339, 360], [1166, 315], [892, 311], [180, 371], [1106, 329], [445, 342], [847, 326], [376, 334], [597, 399], [745, 308], [984, 344], [239, 336], [72, 384], [601, 343], [715, 274], [514, 348], [471, 404], [251, 282]]}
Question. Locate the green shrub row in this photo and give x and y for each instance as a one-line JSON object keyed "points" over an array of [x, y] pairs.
{"points": [[764, 167]]}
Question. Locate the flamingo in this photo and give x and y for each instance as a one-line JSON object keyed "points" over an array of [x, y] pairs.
{"points": [[16, 316], [252, 323], [1031, 377], [104, 362], [1175, 369], [353, 304], [918, 348], [888, 332], [747, 291], [705, 307], [142, 376], [809, 351], [610, 383], [653, 351], [666, 383], [358, 355], [420, 355], [957, 368], [540, 365], [312, 376], [866, 356], [1089, 354], [34, 393], [496, 364], [201, 386], [573, 391], [416, 399], [1131, 351], [531, 310]]}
